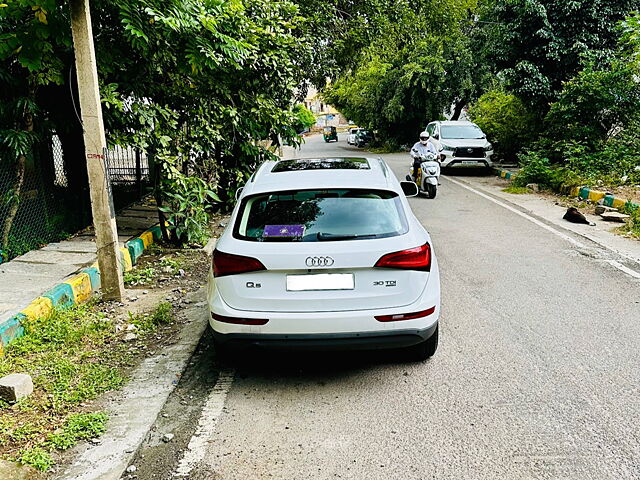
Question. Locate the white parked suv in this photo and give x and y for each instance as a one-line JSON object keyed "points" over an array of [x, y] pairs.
{"points": [[325, 253], [460, 144], [353, 133]]}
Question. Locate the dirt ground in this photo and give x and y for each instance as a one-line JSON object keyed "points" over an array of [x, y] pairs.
{"points": [[628, 193]]}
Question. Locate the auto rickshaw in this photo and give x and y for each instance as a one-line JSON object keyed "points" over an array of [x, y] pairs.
{"points": [[329, 134]]}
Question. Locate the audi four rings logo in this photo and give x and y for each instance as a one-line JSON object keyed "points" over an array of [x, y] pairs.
{"points": [[319, 261]]}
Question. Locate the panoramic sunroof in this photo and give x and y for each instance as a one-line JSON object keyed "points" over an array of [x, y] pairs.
{"points": [[321, 164]]}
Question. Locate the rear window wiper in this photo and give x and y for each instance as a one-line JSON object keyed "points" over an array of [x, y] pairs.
{"points": [[321, 236]]}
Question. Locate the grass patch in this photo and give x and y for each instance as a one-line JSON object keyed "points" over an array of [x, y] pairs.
{"points": [[149, 322], [73, 356], [170, 265], [146, 274], [633, 224], [516, 190], [142, 276], [37, 457], [78, 426]]}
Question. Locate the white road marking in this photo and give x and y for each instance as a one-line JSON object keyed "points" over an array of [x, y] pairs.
{"points": [[212, 410], [621, 267], [573, 241]]}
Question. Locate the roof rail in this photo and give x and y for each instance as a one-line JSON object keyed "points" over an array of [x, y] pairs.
{"points": [[384, 167]]}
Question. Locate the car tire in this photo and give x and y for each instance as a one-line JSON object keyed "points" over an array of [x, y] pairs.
{"points": [[223, 351], [424, 350]]}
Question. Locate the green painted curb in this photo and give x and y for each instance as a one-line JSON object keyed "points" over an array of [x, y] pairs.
{"points": [[11, 329], [136, 247], [608, 200], [61, 295], [94, 275], [506, 174], [584, 193], [156, 232]]}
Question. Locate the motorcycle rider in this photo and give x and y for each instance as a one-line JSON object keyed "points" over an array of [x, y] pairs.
{"points": [[420, 148]]}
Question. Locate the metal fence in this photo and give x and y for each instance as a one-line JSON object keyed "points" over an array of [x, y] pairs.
{"points": [[45, 198], [129, 172]]}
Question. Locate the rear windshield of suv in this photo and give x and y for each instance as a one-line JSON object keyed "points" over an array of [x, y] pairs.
{"points": [[321, 215], [461, 131]]}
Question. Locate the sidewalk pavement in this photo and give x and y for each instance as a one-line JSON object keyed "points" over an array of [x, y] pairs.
{"points": [[25, 278]]}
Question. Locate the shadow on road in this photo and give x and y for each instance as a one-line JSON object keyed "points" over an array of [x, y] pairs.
{"points": [[283, 363]]}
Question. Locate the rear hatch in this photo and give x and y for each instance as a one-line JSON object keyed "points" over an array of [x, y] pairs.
{"points": [[351, 283], [318, 249]]}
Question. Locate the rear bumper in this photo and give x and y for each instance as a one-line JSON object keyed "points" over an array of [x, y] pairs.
{"points": [[350, 341], [341, 326]]}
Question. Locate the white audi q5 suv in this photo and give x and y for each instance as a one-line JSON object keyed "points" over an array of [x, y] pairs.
{"points": [[325, 253]]}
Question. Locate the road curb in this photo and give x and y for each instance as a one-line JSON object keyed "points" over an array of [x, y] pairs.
{"points": [[75, 290], [597, 195], [506, 174], [582, 192]]}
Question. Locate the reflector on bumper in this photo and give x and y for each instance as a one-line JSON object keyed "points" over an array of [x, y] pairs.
{"points": [[239, 321], [405, 316]]}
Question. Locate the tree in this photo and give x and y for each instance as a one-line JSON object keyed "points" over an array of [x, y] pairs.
{"points": [[195, 84], [31, 36], [305, 118], [536, 45], [416, 64], [505, 120]]}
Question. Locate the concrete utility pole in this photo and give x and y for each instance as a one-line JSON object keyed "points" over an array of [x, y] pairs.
{"points": [[104, 220]]}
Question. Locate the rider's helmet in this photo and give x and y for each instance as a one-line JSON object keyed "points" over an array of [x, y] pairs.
{"points": [[424, 137]]}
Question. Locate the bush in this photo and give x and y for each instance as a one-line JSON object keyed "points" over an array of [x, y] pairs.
{"points": [[506, 122], [633, 225], [594, 103], [305, 118], [609, 162], [536, 168], [187, 198], [619, 157]]}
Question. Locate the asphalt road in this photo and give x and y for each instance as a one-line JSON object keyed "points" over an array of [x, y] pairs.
{"points": [[536, 376]]}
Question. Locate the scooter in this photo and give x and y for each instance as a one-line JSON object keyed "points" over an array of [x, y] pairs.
{"points": [[428, 174]]}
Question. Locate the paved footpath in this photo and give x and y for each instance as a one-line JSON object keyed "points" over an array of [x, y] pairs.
{"points": [[26, 277]]}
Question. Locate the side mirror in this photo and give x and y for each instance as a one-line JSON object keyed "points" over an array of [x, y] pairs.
{"points": [[238, 192], [436, 136], [410, 189]]}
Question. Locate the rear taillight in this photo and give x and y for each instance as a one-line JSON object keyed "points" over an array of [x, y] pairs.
{"points": [[228, 264], [418, 258], [238, 320], [405, 316]]}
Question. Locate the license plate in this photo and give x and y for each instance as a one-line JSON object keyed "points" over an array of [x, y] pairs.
{"points": [[320, 281], [469, 162]]}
